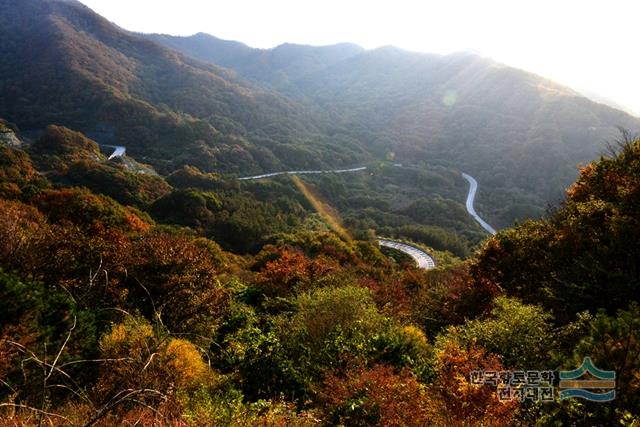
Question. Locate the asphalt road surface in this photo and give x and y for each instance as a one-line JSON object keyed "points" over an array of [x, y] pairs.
{"points": [[473, 187], [303, 172]]}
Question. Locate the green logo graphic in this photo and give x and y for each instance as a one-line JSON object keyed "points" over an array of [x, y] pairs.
{"points": [[597, 385]]}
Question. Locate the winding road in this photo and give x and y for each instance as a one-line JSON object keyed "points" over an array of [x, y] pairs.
{"points": [[473, 187], [421, 258], [303, 172]]}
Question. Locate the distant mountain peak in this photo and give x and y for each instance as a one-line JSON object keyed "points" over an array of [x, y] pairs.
{"points": [[343, 45], [74, 2], [285, 63]]}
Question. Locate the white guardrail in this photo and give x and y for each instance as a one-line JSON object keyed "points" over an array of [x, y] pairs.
{"points": [[422, 259], [303, 172]]}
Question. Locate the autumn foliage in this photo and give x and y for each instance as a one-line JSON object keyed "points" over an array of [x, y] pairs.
{"points": [[109, 316], [456, 400], [288, 271], [584, 255], [376, 396]]}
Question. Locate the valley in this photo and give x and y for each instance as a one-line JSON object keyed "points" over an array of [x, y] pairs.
{"points": [[197, 232]]}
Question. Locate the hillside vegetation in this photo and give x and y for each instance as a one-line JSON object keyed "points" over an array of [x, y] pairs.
{"points": [[110, 315], [158, 289], [172, 104]]}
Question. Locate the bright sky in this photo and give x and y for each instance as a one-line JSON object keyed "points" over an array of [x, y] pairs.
{"points": [[592, 46]]}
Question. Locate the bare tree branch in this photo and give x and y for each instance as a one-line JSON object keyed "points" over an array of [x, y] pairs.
{"points": [[64, 344], [149, 361], [115, 401], [36, 410]]}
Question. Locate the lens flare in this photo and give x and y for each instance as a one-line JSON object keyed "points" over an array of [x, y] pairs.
{"points": [[326, 212], [450, 98]]}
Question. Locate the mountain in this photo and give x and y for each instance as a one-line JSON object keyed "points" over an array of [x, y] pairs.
{"points": [[225, 107], [62, 63], [148, 323], [520, 134], [190, 297]]}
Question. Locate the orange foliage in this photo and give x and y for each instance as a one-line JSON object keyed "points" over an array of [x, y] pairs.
{"points": [[289, 271], [449, 297], [20, 226], [136, 224], [377, 396], [16, 170], [456, 401], [177, 278], [392, 296], [578, 189], [81, 207], [66, 255]]}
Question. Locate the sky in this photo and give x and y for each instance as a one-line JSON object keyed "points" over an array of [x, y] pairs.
{"points": [[591, 46]]}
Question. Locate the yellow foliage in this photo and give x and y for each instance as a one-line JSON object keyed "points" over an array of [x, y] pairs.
{"points": [[130, 334], [415, 336], [142, 358], [186, 364]]}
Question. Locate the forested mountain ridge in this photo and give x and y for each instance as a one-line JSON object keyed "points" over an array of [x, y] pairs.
{"points": [[297, 106], [275, 67], [161, 290], [62, 63]]}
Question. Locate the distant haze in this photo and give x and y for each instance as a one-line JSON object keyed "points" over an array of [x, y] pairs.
{"points": [[591, 46]]}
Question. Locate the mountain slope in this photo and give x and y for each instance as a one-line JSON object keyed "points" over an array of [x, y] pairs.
{"points": [[465, 109], [62, 63], [521, 135]]}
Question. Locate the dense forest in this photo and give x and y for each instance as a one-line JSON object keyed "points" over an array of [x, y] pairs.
{"points": [[156, 288], [123, 308]]}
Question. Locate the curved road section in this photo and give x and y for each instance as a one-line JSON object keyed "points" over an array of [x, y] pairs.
{"points": [[420, 257], [473, 187], [269, 175]]}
